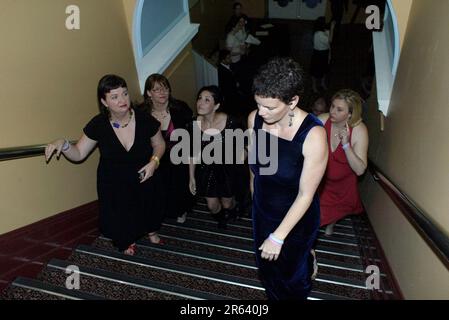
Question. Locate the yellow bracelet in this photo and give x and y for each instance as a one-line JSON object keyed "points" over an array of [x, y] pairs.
{"points": [[156, 159]]}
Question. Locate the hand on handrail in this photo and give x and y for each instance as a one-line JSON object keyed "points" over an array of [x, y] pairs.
{"points": [[55, 146]]}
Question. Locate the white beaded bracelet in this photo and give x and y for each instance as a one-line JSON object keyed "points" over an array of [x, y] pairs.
{"points": [[275, 240], [66, 145]]}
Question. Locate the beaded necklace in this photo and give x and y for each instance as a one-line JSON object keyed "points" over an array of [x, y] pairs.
{"points": [[117, 125]]}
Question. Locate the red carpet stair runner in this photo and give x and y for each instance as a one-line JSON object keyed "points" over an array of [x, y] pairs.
{"points": [[199, 261]]}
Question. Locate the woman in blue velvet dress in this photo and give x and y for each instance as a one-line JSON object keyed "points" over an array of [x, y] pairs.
{"points": [[286, 209]]}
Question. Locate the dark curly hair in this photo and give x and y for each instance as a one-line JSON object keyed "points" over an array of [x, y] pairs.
{"points": [[281, 78]]}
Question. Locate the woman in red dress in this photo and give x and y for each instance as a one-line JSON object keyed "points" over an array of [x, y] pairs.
{"points": [[348, 147]]}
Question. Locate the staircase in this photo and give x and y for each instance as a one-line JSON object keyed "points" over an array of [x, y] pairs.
{"points": [[201, 262]]}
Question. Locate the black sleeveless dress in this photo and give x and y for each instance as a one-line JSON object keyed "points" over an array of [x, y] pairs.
{"points": [[215, 180]]}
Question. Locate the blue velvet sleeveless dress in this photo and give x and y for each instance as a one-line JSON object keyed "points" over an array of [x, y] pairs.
{"points": [[289, 277]]}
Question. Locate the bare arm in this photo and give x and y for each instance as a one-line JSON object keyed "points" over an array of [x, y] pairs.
{"points": [[158, 145], [315, 160], [357, 153], [192, 181], [323, 117], [74, 153], [251, 118]]}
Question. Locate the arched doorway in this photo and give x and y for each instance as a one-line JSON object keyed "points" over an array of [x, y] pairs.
{"points": [[161, 29]]}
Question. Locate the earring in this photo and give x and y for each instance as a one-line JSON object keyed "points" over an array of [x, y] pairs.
{"points": [[291, 114]]}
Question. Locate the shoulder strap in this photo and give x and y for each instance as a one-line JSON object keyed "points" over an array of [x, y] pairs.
{"points": [[258, 122]]}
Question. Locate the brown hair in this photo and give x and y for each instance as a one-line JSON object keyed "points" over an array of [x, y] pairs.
{"points": [[149, 85]]}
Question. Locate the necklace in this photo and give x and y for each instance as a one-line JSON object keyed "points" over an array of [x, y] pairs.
{"points": [[160, 116], [117, 125]]}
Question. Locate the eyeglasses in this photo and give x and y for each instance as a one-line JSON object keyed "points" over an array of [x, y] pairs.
{"points": [[160, 90]]}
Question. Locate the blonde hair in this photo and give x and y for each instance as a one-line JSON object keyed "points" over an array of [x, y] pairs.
{"points": [[354, 102]]}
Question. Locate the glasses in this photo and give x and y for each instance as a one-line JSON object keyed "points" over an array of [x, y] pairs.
{"points": [[160, 90]]}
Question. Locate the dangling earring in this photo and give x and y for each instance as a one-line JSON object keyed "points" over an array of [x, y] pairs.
{"points": [[291, 114]]}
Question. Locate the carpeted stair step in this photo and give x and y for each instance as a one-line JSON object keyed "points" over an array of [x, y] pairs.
{"points": [[338, 248], [212, 226], [204, 215], [317, 295], [230, 287], [218, 248], [118, 286], [189, 258], [212, 236], [30, 289], [231, 257], [207, 238], [204, 238], [348, 288], [336, 256], [345, 283]]}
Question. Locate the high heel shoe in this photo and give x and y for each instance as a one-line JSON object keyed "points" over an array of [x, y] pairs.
{"points": [[222, 218], [158, 240], [314, 265], [182, 218], [329, 229]]}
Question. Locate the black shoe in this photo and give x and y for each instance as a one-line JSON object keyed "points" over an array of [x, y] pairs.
{"points": [[234, 214], [222, 218]]}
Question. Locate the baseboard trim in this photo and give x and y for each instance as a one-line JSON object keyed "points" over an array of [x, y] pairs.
{"points": [[25, 251]]}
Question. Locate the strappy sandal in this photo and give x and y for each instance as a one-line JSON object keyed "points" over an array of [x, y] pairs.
{"points": [[131, 250], [315, 265]]}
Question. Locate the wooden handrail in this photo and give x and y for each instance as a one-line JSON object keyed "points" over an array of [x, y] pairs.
{"points": [[431, 233]]}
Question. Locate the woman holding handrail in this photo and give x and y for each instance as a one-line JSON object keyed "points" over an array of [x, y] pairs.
{"points": [[130, 145]]}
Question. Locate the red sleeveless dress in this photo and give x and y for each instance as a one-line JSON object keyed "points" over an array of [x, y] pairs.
{"points": [[339, 194]]}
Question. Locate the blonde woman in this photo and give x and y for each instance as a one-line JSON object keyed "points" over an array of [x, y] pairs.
{"points": [[348, 148]]}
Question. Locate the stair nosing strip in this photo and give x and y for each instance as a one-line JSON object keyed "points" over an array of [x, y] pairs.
{"points": [[183, 252], [159, 266], [207, 231], [133, 281], [327, 251], [254, 268], [203, 243], [339, 233], [337, 242], [341, 282], [330, 296], [35, 283], [229, 224], [45, 291], [208, 212], [352, 235], [344, 226], [327, 263], [244, 247]]}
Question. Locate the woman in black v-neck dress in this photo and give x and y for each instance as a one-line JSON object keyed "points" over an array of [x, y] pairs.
{"points": [[124, 195]]}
